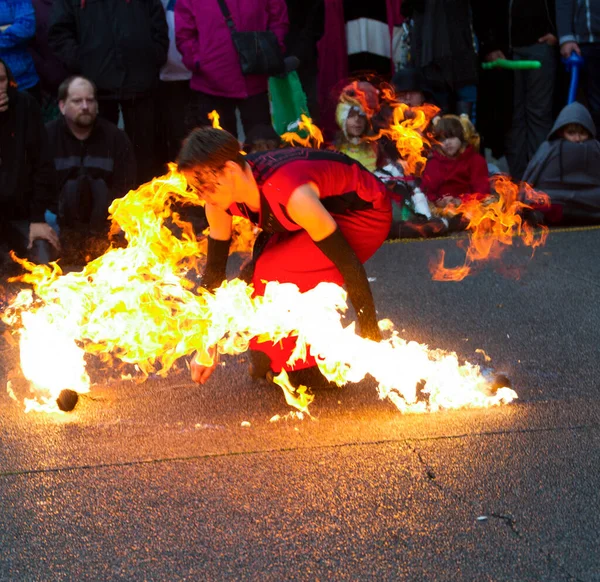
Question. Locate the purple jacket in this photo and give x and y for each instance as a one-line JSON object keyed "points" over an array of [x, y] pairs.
{"points": [[204, 41]]}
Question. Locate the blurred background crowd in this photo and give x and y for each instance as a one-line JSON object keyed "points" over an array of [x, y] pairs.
{"points": [[96, 97]]}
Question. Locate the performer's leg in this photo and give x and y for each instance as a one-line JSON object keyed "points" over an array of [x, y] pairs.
{"points": [[294, 258]]}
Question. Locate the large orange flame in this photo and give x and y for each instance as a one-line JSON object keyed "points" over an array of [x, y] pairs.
{"points": [[493, 224], [137, 305], [313, 138]]}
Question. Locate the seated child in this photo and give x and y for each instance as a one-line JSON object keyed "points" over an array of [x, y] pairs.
{"points": [[357, 104], [566, 167], [456, 171]]}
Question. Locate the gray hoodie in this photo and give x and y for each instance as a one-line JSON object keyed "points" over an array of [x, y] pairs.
{"points": [[569, 172]]}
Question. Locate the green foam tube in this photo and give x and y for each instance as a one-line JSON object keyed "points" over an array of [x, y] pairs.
{"points": [[512, 65]]}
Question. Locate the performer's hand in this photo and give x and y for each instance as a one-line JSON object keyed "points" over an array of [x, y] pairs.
{"points": [[569, 47], [44, 231], [3, 102], [200, 373]]}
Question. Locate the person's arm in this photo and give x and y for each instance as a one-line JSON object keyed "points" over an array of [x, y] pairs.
{"points": [[219, 239], [306, 210], [124, 174], [22, 29], [45, 193], [186, 34], [62, 34], [565, 16], [432, 180], [159, 32], [480, 179], [278, 20]]}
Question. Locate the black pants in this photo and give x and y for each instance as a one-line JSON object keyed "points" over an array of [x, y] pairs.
{"points": [[253, 111], [139, 120], [172, 101]]}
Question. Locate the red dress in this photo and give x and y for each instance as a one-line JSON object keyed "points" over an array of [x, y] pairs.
{"points": [[359, 203]]}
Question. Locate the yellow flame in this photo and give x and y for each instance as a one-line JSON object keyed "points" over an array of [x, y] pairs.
{"points": [[314, 137], [407, 129], [493, 224], [215, 118], [137, 305]]}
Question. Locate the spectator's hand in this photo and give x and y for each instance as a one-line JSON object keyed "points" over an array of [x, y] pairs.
{"points": [[3, 102], [200, 373], [569, 47], [494, 56], [44, 231], [548, 39], [290, 64]]}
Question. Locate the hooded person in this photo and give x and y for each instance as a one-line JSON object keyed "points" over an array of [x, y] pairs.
{"points": [[358, 103], [567, 168], [27, 178]]}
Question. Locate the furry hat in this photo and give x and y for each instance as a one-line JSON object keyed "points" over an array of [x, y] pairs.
{"points": [[358, 96]]}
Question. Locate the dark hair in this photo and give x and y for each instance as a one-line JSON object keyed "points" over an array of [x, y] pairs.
{"points": [[211, 148], [262, 132], [449, 126], [63, 88]]}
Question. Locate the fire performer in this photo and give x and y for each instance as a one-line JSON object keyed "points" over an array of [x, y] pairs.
{"points": [[322, 214]]}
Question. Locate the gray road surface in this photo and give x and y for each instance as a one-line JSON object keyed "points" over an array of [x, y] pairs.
{"points": [[162, 481]]}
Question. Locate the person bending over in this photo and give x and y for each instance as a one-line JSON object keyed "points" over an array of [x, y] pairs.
{"points": [[322, 214]]}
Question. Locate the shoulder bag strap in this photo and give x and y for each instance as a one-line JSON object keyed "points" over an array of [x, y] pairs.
{"points": [[227, 15]]}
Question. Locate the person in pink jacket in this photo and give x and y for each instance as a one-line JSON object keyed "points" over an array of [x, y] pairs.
{"points": [[204, 41]]}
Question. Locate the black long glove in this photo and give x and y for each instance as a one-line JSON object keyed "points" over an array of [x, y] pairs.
{"points": [[340, 253], [215, 271]]}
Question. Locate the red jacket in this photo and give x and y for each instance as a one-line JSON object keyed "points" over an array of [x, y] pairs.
{"points": [[466, 174]]}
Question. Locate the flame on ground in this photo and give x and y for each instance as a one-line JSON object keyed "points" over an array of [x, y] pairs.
{"points": [[493, 224], [137, 305]]}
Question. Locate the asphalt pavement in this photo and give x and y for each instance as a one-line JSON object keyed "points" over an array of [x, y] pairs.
{"points": [[167, 480]]}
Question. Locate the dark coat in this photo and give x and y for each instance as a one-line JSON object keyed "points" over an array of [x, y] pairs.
{"points": [[27, 178], [569, 172], [107, 155], [120, 45]]}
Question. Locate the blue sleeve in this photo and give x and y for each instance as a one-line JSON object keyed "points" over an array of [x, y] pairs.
{"points": [[22, 29]]}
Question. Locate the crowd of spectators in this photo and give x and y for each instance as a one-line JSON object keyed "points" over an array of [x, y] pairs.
{"points": [[96, 97]]}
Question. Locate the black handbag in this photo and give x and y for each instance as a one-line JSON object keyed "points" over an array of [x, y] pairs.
{"points": [[259, 51]]}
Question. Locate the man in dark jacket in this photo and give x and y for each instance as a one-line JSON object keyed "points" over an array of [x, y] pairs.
{"points": [[27, 186], [520, 30], [120, 46], [578, 23], [94, 159]]}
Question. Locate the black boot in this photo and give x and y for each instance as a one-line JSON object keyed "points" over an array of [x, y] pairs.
{"points": [[260, 365]]}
